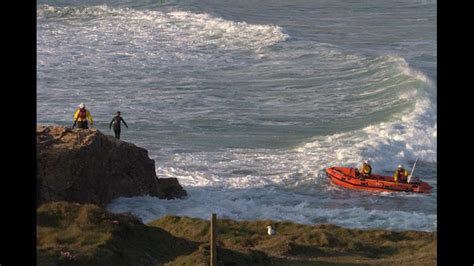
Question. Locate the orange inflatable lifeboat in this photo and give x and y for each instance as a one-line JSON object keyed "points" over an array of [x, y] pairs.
{"points": [[350, 178]]}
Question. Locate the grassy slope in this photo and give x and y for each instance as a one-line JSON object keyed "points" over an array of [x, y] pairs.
{"points": [[306, 244], [89, 233]]}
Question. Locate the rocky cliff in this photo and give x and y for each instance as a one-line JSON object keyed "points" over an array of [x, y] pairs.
{"points": [[86, 166]]}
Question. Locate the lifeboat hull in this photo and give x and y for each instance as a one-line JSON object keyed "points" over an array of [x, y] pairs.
{"points": [[347, 177]]}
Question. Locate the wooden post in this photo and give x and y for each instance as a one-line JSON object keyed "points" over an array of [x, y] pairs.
{"points": [[213, 240]]}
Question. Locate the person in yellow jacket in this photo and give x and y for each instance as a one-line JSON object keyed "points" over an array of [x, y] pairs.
{"points": [[81, 116], [400, 174], [366, 169]]}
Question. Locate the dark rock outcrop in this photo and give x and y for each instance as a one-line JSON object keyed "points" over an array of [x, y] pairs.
{"points": [[86, 166]]}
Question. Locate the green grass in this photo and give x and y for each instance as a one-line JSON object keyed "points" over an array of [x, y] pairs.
{"points": [[302, 244], [89, 234]]}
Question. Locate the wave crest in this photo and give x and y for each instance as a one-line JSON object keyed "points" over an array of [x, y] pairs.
{"points": [[178, 27]]}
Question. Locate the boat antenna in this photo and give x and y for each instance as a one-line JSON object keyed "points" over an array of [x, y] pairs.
{"points": [[413, 169]]}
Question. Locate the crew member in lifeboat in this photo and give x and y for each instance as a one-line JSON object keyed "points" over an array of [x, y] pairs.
{"points": [[400, 175], [366, 170]]}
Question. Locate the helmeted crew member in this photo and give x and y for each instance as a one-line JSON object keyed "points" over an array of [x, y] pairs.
{"points": [[116, 123], [81, 116], [400, 174], [366, 169]]}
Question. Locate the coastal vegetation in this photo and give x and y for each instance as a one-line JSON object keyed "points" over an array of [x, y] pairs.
{"points": [[87, 234]]}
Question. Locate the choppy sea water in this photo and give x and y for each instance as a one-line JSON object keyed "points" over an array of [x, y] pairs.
{"points": [[247, 102]]}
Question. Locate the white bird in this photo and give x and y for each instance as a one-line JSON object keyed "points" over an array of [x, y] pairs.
{"points": [[271, 231]]}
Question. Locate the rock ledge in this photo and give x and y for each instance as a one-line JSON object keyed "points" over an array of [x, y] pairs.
{"points": [[86, 166]]}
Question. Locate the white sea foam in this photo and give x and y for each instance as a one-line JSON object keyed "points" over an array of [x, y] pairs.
{"points": [[172, 29], [271, 204]]}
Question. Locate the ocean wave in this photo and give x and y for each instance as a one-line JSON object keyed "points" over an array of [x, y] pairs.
{"points": [[404, 137], [178, 28], [51, 12], [401, 137]]}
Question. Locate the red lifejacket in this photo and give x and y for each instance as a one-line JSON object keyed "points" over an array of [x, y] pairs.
{"points": [[82, 114]]}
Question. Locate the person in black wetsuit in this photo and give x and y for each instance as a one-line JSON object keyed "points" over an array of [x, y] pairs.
{"points": [[116, 122]]}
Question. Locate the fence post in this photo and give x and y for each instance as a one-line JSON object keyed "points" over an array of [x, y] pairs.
{"points": [[213, 240]]}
